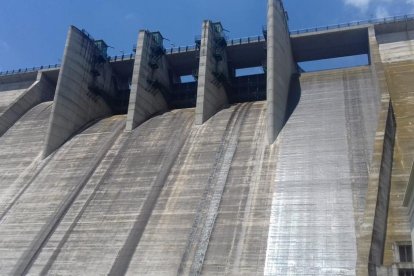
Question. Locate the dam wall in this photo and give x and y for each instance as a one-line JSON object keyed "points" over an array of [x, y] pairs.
{"points": [[309, 180]]}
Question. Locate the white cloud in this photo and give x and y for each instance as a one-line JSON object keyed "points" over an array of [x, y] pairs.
{"points": [[381, 8], [381, 12], [411, 4], [360, 4]]}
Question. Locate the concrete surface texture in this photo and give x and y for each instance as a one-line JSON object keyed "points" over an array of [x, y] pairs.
{"points": [[20, 150], [33, 215], [75, 105], [400, 83], [398, 62], [321, 175], [172, 215], [212, 73], [280, 67], [310, 181], [150, 77], [409, 200], [40, 91], [396, 46], [10, 92]]}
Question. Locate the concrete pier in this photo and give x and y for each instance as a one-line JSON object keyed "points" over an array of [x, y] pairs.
{"points": [[83, 76], [280, 67], [150, 80], [213, 75]]}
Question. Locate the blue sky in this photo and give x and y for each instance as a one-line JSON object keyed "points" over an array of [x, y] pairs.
{"points": [[33, 32]]}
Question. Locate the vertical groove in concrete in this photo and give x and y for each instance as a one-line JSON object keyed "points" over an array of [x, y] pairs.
{"points": [[29, 257], [124, 257], [96, 180], [216, 185], [379, 232], [237, 245], [211, 94], [360, 133], [145, 101], [367, 226], [280, 67]]}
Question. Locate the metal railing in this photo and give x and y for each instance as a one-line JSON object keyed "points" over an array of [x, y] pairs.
{"points": [[244, 40], [181, 49], [28, 70], [122, 57], [55, 66], [231, 42], [392, 19]]}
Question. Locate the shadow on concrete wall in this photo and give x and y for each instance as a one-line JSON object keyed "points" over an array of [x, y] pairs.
{"points": [[295, 92]]}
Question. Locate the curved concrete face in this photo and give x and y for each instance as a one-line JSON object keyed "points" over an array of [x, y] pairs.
{"points": [[10, 92], [223, 171], [32, 216], [20, 148], [323, 157], [16, 103], [7, 97], [161, 199]]}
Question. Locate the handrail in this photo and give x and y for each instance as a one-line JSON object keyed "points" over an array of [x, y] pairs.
{"points": [[55, 66], [231, 42], [181, 49], [122, 57], [392, 19], [28, 70]]}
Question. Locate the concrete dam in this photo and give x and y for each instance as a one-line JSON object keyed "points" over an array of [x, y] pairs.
{"points": [[114, 166]]}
